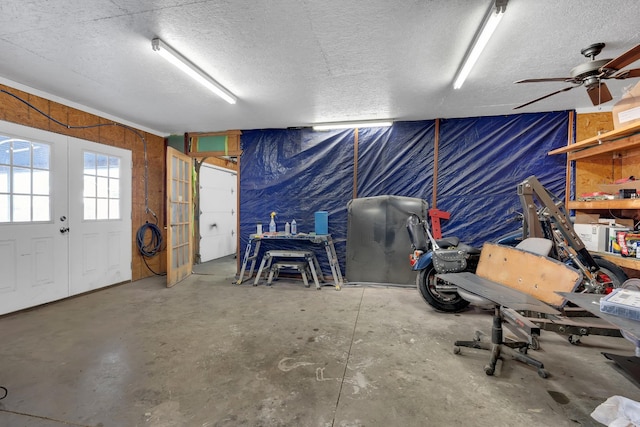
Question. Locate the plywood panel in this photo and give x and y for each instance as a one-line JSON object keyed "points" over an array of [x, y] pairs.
{"points": [[112, 135], [12, 109], [533, 274], [590, 174], [590, 124], [36, 119], [630, 165], [79, 118], [61, 114]]}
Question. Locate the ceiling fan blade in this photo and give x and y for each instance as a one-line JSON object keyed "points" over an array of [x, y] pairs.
{"points": [[599, 93], [546, 96], [550, 79], [627, 74], [629, 57]]}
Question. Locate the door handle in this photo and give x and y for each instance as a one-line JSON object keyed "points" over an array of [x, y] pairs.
{"points": [[64, 230]]}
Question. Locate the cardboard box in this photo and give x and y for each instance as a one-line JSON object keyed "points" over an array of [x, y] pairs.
{"points": [[594, 236], [627, 110], [612, 238], [586, 218], [628, 243]]}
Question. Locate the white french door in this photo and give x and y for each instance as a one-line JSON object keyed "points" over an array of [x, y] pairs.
{"points": [[100, 231], [44, 236], [33, 251]]}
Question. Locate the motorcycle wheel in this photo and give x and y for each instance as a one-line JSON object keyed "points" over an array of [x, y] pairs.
{"points": [[610, 272], [449, 302]]}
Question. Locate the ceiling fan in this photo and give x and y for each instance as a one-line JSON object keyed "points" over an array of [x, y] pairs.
{"points": [[592, 73]]}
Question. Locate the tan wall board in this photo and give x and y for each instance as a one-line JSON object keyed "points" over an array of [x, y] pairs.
{"points": [[36, 119], [589, 124], [12, 109], [630, 165]]}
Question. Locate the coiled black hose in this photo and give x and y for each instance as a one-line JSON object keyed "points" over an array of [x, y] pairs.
{"points": [[154, 246]]}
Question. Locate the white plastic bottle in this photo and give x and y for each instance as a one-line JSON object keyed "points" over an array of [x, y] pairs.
{"points": [[294, 227], [287, 228], [272, 224]]}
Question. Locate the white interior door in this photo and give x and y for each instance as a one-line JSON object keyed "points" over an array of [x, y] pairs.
{"points": [[33, 211], [100, 231], [218, 216], [48, 248]]}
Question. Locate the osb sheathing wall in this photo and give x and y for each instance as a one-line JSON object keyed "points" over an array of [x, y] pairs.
{"points": [[604, 169], [591, 172], [12, 110]]}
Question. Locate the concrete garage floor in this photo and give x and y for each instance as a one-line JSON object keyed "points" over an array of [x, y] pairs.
{"points": [[207, 353]]}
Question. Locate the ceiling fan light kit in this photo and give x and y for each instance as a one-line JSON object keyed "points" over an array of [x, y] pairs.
{"points": [[489, 24], [592, 74], [192, 70]]}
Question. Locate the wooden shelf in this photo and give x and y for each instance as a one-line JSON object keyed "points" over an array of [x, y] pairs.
{"points": [[605, 204], [617, 139], [606, 157], [626, 262]]}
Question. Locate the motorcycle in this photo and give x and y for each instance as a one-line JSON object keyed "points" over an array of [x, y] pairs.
{"points": [[431, 256], [543, 216]]}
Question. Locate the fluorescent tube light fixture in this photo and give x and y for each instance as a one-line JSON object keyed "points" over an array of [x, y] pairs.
{"points": [[489, 24], [192, 70], [353, 125]]}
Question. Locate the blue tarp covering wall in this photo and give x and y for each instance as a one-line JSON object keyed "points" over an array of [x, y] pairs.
{"points": [[481, 161], [296, 172]]}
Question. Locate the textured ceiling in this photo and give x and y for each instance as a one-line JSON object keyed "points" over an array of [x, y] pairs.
{"points": [[293, 63]]}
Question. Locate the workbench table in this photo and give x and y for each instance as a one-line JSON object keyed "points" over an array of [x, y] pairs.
{"points": [[252, 251]]}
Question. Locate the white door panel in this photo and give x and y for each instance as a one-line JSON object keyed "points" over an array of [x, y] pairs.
{"points": [[218, 217], [45, 261], [34, 255], [100, 248]]}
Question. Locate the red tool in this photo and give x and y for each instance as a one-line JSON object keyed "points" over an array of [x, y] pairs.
{"points": [[436, 215]]}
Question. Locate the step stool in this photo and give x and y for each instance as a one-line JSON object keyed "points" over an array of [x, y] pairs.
{"points": [[289, 257], [301, 266]]}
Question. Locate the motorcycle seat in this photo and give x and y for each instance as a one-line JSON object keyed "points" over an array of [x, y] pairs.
{"points": [[448, 242], [454, 242], [469, 249]]}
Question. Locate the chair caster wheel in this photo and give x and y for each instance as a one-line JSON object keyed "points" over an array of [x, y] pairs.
{"points": [[542, 373], [456, 350], [535, 344], [489, 370]]}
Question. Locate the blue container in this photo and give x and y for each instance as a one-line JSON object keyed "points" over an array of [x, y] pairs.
{"points": [[322, 222]]}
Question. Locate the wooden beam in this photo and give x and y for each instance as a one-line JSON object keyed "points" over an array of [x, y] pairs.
{"points": [[436, 142], [355, 164], [567, 182]]}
